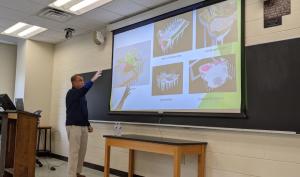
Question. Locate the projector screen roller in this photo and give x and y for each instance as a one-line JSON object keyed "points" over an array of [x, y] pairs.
{"points": [[187, 62]]}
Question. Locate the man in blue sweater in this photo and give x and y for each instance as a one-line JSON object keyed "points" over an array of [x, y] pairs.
{"points": [[77, 123]]}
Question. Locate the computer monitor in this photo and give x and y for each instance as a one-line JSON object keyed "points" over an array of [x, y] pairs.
{"points": [[19, 104], [6, 103]]}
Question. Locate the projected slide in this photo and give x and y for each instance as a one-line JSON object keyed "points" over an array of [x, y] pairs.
{"points": [[215, 74], [173, 35], [190, 62], [167, 79], [132, 65], [218, 24]]}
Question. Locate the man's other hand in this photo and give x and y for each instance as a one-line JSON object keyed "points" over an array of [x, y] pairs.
{"points": [[90, 129], [96, 76]]}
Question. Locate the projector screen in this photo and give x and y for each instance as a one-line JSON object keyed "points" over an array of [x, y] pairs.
{"points": [[188, 60]]}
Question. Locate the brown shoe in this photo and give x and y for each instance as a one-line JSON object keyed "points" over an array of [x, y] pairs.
{"points": [[79, 175]]}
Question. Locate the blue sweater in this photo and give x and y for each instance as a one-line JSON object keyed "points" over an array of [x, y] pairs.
{"points": [[76, 104]]}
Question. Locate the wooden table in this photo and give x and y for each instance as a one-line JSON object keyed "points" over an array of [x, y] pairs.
{"points": [[174, 147]]}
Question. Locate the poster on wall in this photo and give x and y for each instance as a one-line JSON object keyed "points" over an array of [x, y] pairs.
{"points": [[274, 10]]}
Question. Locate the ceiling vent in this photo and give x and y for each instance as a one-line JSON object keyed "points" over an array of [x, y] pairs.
{"points": [[54, 14]]}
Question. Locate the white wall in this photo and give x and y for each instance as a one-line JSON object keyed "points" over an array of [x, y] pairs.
{"points": [[34, 76], [8, 57], [255, 32], [20, 70], [230, 154], [38, 87]]}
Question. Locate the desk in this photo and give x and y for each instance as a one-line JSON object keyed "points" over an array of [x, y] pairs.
{"points": [[174, 147]]}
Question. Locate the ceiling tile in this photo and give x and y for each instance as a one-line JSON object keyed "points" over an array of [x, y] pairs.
{"points": [[50, 37], [2, 28], [84, 23], [43, 2], [49, 24], [102, 16], [152, 3], [8, 39], [5, 23], [56, 28], [11, 14], [24, 6], [124, 7], [13, 11]]}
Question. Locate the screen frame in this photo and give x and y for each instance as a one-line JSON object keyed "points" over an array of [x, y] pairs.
{"points": [[243, 109]]}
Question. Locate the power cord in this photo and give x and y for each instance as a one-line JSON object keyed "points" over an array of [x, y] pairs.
{"points": [[50, 166], [159, 126]]}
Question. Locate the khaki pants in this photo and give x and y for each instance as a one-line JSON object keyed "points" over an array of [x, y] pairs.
{"points": [[78, 138]]}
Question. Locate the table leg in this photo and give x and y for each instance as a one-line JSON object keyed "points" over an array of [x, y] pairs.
{"points": [[131, 163], [50, 141], [107, 160], [201, 162], [4, 125], [177, 162], [39, 138], [45, 140]]}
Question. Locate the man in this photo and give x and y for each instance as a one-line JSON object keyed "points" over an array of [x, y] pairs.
{"points": [[77, 123]]}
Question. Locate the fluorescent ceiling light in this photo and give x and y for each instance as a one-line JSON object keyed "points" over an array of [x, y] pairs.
{"points": [[86, 3], [78, 7], [15, 28], [59, 3], [23, 30], [29, 31], [82, 5]]}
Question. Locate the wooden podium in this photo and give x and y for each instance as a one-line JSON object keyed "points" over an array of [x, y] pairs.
{"points": [[18, 144]]}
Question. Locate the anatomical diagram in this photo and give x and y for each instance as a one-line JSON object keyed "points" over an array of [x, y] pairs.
{"points": [[128, 69], [213, 74], [217, 23], [172, 33], [131, 65], [166, 81]]}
